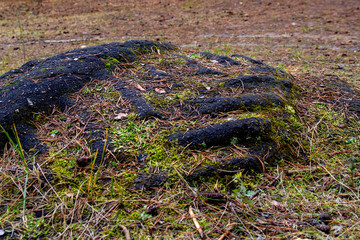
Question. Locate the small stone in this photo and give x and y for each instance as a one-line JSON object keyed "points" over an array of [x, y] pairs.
{"points": [[337, 229], [160, 90], [120, 116], [39, 213], [30, 102], [312, 221], [138, 86], [83, 161], [325, 218], [141, 157], [324, 228]]}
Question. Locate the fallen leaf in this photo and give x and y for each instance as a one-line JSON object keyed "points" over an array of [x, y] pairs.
{"points": [[139, 87], [120, 116], [160, 90], [197, 225], [70, 195]]}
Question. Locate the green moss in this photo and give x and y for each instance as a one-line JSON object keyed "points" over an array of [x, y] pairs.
{"points": [[157, 153], [63, 166], [141, 49], [129, 178], [221, 84], [7, 84], [60, 67], [110, 63], [171, 62], [164, 154], [133, 136], [160, 101]]}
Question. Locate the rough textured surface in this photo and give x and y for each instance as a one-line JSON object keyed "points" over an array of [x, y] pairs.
{"points": [[149, 181], [223, 60], [196, 101], [246, 101], [228, 167], [221, 134], [39, 86], [143, 108]]}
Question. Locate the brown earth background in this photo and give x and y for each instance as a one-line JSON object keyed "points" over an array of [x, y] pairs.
{"points": [[290, 33]]}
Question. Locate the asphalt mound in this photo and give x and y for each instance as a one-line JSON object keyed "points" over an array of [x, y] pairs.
{"points": [[157, 102], [39, 86]]}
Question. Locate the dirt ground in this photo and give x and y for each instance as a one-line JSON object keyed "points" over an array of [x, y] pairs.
{"points": [[276, 31]]}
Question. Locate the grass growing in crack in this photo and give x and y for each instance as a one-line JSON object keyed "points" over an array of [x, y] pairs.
{"points": [[22, 162], [94, 177], [18, 180]]}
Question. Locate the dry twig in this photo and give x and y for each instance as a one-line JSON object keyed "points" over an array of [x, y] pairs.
{"points": [[126, 232], [269, 185], [197, 225], [227, 232]]}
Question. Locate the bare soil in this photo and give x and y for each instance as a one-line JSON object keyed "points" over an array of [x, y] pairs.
{"points": [[276, 30]]}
